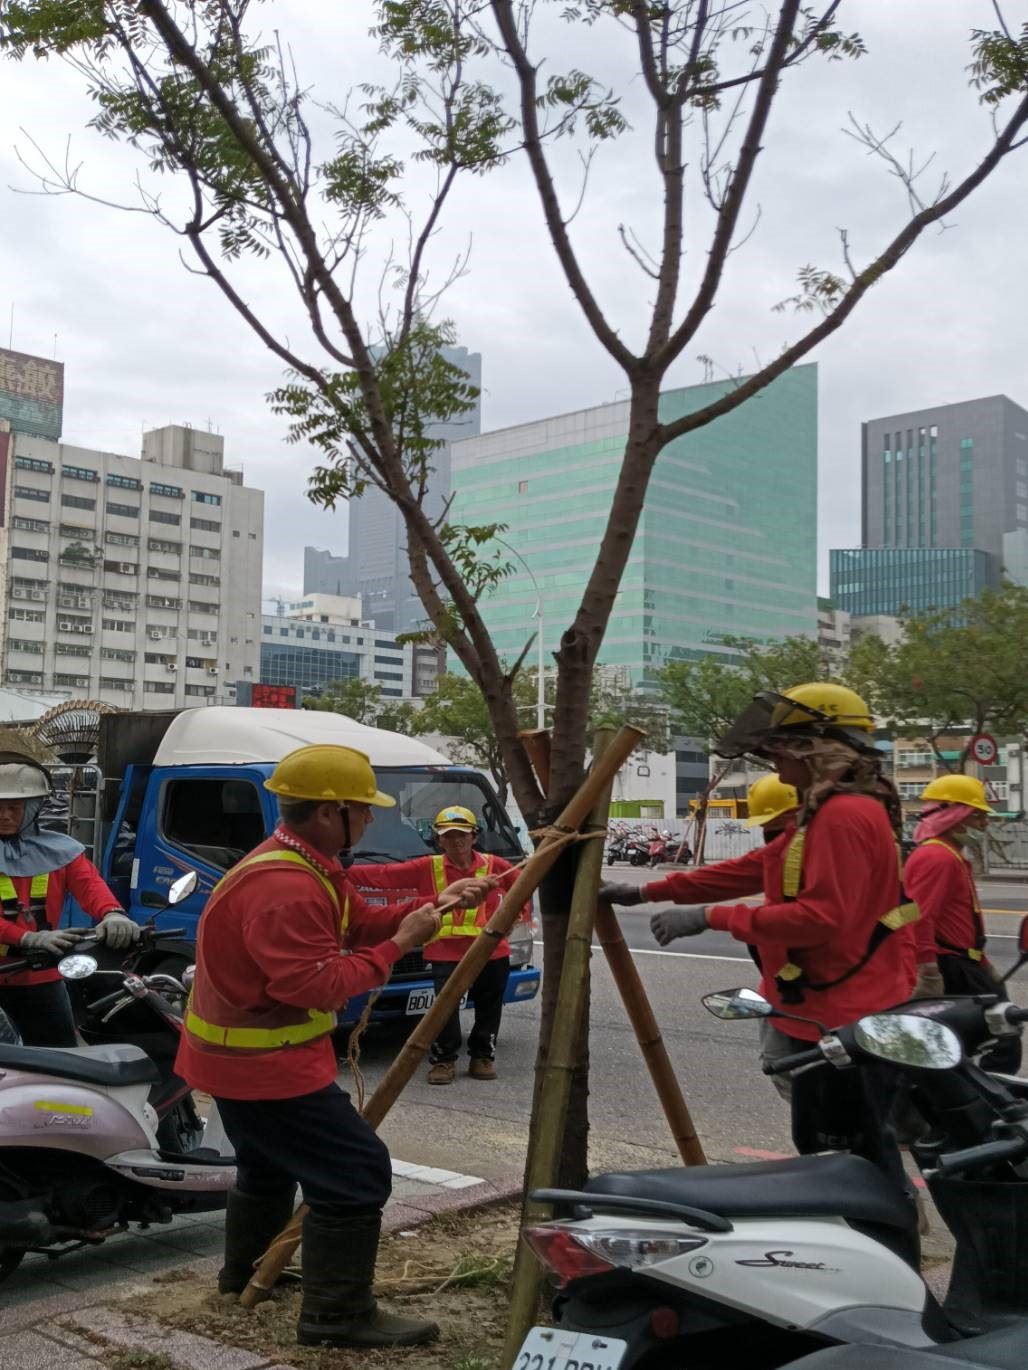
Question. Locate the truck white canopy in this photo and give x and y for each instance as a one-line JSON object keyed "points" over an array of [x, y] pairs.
{"points": [[217, 736]]}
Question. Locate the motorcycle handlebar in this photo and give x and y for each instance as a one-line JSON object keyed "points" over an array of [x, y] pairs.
{"points": [[794, 1061], [977, 1157], [108, 1001]]}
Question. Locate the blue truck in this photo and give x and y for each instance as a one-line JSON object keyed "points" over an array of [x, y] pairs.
{"points": [[184, 790]]}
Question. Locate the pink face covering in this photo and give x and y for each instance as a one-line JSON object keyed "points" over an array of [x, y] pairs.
{"points": [[935, 822]]}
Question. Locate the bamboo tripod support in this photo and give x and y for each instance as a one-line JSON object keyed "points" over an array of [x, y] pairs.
{"points": [[549, 1119], [552, 843]]}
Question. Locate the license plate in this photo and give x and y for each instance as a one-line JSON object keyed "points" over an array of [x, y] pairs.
{"points": [[420, 1000], [550, 1348]]}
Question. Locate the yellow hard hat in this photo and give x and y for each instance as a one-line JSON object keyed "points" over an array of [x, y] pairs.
{"points": [[957, 789], [842, 706], [768, 798], [330, 773], [455, 818]]}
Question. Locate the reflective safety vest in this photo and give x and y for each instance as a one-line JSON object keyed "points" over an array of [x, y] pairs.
{"points": [[977, 951], [792, 979], [212, 1020], [37, 893], [458, 922]]}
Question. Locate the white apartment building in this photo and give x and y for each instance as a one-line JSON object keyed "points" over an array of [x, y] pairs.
{"points": [[136, 581]]}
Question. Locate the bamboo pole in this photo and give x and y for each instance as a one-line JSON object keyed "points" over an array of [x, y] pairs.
{"points": [[640, 1014], [549, 1118], [553, 842]]}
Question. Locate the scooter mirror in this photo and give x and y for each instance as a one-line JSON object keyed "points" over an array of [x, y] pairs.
{"points": [[737, 1003], [182, 888], [77, 967], [909, 1041]]}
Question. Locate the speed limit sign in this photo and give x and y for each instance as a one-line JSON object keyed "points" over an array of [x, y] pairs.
{"points": [[983, 749]]}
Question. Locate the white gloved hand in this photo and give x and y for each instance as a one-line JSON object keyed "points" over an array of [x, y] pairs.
{"points": [[57, 941], [686, 921], [117, 931]]}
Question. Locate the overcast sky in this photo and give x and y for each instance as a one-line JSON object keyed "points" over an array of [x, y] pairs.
{"points": [[145, 344]]}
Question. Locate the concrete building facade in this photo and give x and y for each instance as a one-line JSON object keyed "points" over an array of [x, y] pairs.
{"points": [[375, 566], [324, 638], [133, 580]]}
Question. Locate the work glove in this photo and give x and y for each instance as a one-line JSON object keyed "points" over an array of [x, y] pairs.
{"points": [[685, 921], [622, 893], [929, 982], [56, 941], [118, 931]]}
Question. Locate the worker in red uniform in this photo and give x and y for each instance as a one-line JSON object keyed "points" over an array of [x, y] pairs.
{"points": [[284, 941], [456, 830], [833, 934], [38, 869], [771, 806], [951, 932]]}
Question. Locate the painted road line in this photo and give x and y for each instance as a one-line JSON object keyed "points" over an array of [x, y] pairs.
{"points": [[689, 955]]}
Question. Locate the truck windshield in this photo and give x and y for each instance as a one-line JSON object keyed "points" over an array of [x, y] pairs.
{"points": [[404, 832]]}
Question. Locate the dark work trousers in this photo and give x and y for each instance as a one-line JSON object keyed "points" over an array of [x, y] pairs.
{"points": [[41, 1013], [961, 975], [487, 992], [318, 1140], [848, 1110]]}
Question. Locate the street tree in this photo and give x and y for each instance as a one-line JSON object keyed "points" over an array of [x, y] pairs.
{"points": [[956, 672], [705, 695], [364, 702], [218, 109]]}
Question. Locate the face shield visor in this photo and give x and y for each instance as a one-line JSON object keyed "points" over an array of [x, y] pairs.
{"points": [[773, 723]]}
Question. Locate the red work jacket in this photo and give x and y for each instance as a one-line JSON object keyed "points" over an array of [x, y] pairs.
{"points": [[939, 879], [420, 875], [850, 879], [733, 879], [79, 878], [273, 938]]}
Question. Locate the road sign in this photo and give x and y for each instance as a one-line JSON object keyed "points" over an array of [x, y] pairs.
{"points": [[983, 749]]}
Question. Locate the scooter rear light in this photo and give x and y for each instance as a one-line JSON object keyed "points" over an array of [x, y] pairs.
{"points": [[665, 1323], [562, 1251]]}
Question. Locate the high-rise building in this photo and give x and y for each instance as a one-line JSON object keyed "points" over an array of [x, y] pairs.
{"points": [[914, 580], [375, 566], [133, 580], [726, 545]]}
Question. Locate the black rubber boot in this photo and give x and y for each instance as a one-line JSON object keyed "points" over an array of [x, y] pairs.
{"points": [[252, 1222], [338, 1306]]}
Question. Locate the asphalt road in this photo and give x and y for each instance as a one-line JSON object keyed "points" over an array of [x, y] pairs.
{"points": [[482, 1128]]}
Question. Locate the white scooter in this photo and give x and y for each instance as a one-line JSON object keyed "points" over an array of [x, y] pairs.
{"points": [[79, 1154], [753, 1265]]}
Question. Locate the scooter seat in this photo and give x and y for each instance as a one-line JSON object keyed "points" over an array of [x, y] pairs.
{"points": [[835, 1185], [121, 1064]]}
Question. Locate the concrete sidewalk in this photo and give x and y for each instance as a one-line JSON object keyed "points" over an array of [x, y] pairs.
{"points": [[57, 1313]]}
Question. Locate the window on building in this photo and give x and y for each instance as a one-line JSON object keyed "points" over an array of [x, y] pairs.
{"points": [[34, 464], [122, 539], [163, 602], [197, 579], [217, 821], [31, 525], [198, 606], [1022, 513], [159, 516], [73, 649], [205, 525], [202, 497], [20, 615], [24, 677], [79, 473], [118, 625], [77, 501], [158, 573], [235, 532], [30, 553], [117, 654], [121, 568], [167, 491], [966, 443], [24, 644], [74, 623], [164, 545], [123, 482], [32, 492], [159, 687], [522, 487], [113, 682], [206, 553], [124, 511], [78, 682]]}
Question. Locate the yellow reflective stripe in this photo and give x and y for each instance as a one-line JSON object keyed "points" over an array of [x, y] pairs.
{"points": [[900, 917], [468, 925], [975, 954], [439, 873], [290, 1034], [792, 866], [789, 971], [37, 890], [294, 858]]}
